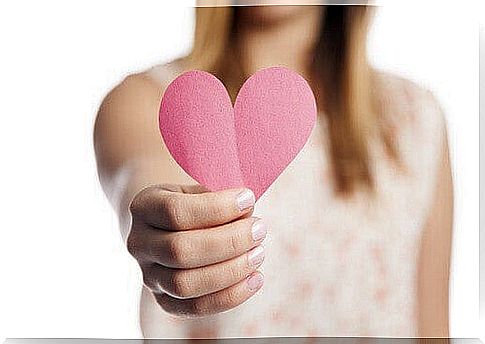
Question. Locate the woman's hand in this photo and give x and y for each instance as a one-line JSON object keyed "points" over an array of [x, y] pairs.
{"points": [[198, 251]]}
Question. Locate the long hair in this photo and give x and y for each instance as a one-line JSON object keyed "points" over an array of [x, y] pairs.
{"points": [[339, 67]]}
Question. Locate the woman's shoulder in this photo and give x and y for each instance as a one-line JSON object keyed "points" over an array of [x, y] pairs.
{"points": [[149, 81], [130, 108], [403, 93], [415, 118], [409, 105], [138, 93]]}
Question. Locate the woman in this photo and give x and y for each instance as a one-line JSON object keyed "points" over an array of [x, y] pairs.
{"points": [[360, 220]]}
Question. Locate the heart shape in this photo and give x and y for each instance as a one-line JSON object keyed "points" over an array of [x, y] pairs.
{"points": [[248, 145]]}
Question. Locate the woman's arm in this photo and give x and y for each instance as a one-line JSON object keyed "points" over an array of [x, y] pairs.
{"points": [[434, 265], [129, 151], [198, 251]]}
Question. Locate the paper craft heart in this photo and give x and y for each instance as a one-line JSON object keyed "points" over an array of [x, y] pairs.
{"points": [[250, 144]]}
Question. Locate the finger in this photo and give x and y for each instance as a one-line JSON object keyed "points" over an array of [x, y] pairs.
{"points": [[201, 247], [177, 211], [191, 283], [213, 303]]}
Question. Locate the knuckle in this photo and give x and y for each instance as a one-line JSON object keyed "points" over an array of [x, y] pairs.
{"points": [[173, 212], [132, 244], [138, 201], [149, 281], [235, 270], [181, 286], [178, 250], [238, 240], [206, 279], [135, 205], [235, 244]]}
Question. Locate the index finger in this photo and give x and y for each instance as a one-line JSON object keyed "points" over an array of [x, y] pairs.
{"points": [[171, 210]]}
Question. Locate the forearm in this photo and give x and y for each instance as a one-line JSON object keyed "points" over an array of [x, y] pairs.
{"points": [[129, 151], [122, 184]]}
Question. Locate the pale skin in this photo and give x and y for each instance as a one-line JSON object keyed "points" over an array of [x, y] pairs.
{"points": [[195, 247]]}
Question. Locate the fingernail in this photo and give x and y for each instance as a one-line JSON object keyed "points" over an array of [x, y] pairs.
{"points": [[245, 200], [259, 230], [255, 281], [256, 256]]}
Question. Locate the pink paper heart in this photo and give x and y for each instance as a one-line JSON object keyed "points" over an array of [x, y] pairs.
{"points": [[250, 144]]}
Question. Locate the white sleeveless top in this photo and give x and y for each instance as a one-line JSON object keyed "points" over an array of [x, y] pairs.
{"points": [[333, 266]]}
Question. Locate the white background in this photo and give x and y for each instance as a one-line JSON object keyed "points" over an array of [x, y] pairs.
{"points": [[64, 271]]}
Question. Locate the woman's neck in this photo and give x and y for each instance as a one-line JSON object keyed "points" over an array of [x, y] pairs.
{"points": [[288, 43]]}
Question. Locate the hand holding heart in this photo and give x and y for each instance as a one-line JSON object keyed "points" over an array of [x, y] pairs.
{"points": [[171, 230], [236, 153]]}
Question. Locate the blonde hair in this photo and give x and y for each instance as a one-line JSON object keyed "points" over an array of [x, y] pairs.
{"points": [[340, 68]]}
